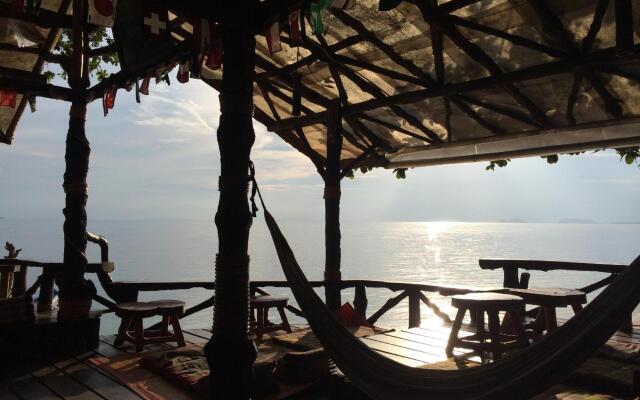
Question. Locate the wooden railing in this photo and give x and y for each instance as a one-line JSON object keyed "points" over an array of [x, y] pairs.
{"points": [[415, 293]]}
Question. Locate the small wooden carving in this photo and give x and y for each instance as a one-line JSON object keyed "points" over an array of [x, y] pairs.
{"points": [[13, 253]]}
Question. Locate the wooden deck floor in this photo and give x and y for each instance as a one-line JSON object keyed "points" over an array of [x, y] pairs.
{"points": [[77, 379]]}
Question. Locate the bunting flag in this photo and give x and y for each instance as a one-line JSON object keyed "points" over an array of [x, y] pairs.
{"points": [[144, 88], [8, 98], [183, 72], [215, 48], [316, 10], [156, 19], [295, 32], [343, 4], [272, 33], [109, 100], [102, 12]]}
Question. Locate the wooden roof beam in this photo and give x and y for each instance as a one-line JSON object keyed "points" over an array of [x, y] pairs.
{"points": [[624, 27], [477, 54], [374, 91], [600, 58], [554, 26], [45, 18], [517, 40], [369, 36], [437, 47], [36, 88]]}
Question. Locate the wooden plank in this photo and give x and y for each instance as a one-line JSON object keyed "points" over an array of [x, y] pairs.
{"points": [[430, 349], [63, 385], [28, 388], [99, 382], [402, 360], [191, 338], [440, 343], [201, 332], [399, 351]]}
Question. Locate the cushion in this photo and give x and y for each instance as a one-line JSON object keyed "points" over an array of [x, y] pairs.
{"points": [[302, 367]]}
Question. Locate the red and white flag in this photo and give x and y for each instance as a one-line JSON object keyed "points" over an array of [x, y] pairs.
{"points": [[8, 98], [294, 26], [183, 72], [144, 87], [272, 33], [102, 12], [155, 19], [343, 4], [109, 100]]}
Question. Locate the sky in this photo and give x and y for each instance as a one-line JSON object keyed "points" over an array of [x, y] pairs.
{"points": [[159, 160]]}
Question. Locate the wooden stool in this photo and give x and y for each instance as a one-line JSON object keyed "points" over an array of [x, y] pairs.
{"points": [[132, 330], [548, 299], [260, 322], [492, 304]]}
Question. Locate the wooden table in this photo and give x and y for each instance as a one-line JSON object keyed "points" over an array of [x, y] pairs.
{"points": [[548, 299]]}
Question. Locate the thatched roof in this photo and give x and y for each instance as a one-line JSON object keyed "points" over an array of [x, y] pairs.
{"points": [[428, 83], [459, 81], [24, 47]]}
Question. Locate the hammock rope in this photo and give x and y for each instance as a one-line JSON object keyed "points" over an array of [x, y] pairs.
{"points": [[519, 376]]}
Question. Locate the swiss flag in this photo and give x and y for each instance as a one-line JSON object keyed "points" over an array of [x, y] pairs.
{"points": [[102, 12], [8, 98], [155, 19]]}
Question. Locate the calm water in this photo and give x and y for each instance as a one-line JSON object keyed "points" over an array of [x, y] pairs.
{"points": [[424, 252]]}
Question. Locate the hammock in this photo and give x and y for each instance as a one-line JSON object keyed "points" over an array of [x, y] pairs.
{"points": [[519, 376]]}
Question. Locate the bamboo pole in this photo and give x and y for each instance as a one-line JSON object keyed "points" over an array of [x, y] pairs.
{"points": [[231, 352]]}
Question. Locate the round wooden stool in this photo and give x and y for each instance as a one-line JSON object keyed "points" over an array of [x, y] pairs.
{"points": [[494, 341], [132, 330], [548, 299], [260, 322]]}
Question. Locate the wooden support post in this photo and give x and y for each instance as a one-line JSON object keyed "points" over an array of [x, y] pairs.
{"points": [[414, 308], [75, 291], [360, 301], [231, 352], [332, 273], [511, 278], [624, 27]]}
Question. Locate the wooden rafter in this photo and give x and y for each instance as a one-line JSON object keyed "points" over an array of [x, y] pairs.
{"points": [[594, 60], [555, 27], [427, 80], [477, 54]]}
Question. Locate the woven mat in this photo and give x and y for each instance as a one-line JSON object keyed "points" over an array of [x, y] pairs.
{"points": [[125, 369], [304, 339]]}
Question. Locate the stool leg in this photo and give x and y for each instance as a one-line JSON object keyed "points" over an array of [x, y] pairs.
{"points": [[285, 321], [494, 331], [260, 325], [479, 322], [122, 331], [455, 328], [577, 307], [138, 334], [517, 318], [550, 319], [177, 330], [164, 326]]}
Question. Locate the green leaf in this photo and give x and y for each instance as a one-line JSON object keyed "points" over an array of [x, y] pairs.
{"points": [[629, 159], [400, 173]]}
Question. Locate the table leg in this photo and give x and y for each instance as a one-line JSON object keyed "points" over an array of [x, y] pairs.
{"points": [[455, 328], [494, 331], [550, 320]]}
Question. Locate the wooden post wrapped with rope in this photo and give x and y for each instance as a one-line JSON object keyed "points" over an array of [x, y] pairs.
{"points": [[332, 275], [75, 291], [231, 352]]}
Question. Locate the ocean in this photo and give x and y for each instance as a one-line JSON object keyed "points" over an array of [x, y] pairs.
{"points": [[420, 252]]}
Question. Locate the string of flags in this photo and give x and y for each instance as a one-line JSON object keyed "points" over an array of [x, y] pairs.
{"points": [[8, 98]]}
